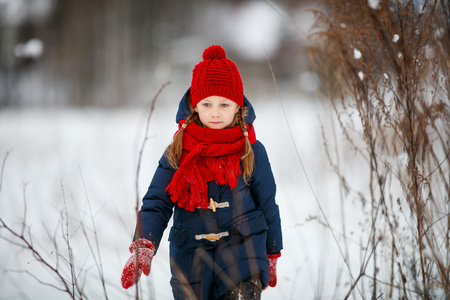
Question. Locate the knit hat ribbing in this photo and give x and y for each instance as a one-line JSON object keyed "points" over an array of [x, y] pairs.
{"points": [[216, 76]]}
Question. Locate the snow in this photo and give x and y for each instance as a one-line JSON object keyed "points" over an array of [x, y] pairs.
{"points": [[395, 38], [361, 75], [31, 49], [374, 4], [86, 159], [429, 52], [439, 33], [357, 54]]}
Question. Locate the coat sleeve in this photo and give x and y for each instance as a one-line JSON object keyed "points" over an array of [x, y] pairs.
{"points": [[263, 189], [157, 208]]}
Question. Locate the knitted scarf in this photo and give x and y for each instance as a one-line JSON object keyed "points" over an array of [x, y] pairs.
{"points": [[208, 154]]}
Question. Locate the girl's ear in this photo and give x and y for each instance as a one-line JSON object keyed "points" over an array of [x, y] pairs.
{"points": [[195, 109], [237, 109]]}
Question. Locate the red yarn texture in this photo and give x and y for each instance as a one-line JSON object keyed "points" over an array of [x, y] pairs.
{"points": [[273, 268], [216, 76], [214, 51], [208, 154], [139, 262]]}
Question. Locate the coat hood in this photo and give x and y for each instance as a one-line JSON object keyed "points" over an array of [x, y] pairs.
{"points": [[184, 111]]}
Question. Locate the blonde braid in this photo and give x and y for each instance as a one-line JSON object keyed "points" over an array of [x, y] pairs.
{"points": [[248, 156], [175, 149]]}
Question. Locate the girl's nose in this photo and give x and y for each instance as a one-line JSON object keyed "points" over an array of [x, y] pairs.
{"points": [[215, 112]]}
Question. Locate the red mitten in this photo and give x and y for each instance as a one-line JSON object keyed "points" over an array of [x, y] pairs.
{"points": [[273, 268], [140, 261]]}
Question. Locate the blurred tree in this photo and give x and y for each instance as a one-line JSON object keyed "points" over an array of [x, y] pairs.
{"points": [[109, 53]]}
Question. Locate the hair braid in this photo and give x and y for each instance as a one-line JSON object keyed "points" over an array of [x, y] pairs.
{"points": [[247, 157], [175, 149]]}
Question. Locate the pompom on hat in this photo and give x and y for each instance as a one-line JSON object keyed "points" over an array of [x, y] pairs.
{"points": [[216, 76]]}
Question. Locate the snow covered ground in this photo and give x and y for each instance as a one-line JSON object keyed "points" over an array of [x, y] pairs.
{"points": [[83, 162]]}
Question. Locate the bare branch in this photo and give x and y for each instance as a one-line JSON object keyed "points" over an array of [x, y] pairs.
{"points": [[3, 169]]}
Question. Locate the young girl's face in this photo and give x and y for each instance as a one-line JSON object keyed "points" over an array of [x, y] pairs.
{"points": [[216, 112]]}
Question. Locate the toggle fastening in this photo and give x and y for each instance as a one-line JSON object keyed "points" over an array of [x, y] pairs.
{"points": [[214, 205], [212, 237]]}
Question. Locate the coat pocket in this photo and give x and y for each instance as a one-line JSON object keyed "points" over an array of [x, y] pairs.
{"points": [[252, 224], [178, 236]]}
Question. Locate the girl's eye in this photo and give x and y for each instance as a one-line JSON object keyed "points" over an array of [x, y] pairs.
{"points": [[206, 104], [224, 105]]}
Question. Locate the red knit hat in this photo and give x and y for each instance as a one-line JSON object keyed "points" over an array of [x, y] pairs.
{"points": [[216, 76]]}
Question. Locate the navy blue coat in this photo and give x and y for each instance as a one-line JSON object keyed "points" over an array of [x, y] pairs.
{"points": [[246, 224]]}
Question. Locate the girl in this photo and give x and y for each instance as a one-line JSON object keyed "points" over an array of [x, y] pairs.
{"points": [[226, 234]]}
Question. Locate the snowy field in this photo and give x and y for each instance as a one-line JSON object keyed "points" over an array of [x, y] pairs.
{"points": [[83, 162]]}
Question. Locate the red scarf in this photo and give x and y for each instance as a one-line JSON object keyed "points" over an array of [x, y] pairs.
{"points": [[208, 154]]}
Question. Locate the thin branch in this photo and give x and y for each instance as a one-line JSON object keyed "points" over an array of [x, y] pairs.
{"points": [[38, 279], [289, 20], [98, 263], [362, 271], [141, 151], [27, 244], [3, 169]]}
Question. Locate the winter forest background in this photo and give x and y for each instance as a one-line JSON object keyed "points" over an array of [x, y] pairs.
{"points": [[352, 104]]}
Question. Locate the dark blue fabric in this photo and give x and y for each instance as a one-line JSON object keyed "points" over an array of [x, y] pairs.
{"points": [[205, 268]]}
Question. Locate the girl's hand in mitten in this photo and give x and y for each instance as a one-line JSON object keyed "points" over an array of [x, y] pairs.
{"points": [[273, 268], [140, 261]]}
